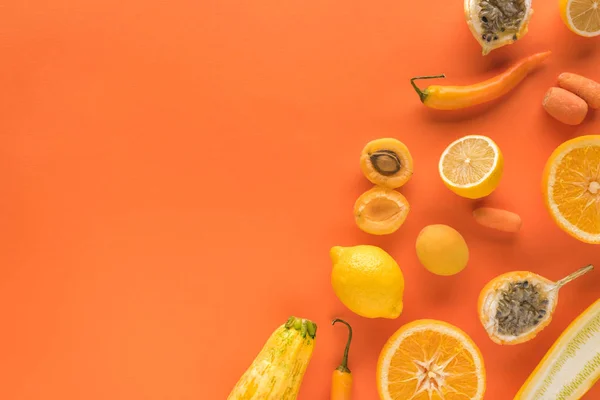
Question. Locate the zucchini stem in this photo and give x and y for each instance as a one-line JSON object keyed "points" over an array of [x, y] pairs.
{"points": [[304, 326]]}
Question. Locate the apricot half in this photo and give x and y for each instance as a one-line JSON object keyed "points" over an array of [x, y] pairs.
{"points": [[380, 211], [386, 162]]}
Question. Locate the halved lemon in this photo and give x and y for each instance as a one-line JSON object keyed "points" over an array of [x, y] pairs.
{"points": [[571, 187], [429, 359], [472, 166], [581, 16]]}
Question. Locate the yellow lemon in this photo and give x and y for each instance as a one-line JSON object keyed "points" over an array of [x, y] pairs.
{"points": [[472, 166], [581, 16], [442, 250], [368, 281]]}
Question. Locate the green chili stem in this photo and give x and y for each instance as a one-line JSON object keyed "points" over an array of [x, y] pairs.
{"points": [[423, 93], [344, 365]]}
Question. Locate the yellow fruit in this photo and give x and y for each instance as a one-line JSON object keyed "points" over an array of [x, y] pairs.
{"points": [[472, 166], [495, 24], [430, 360], [368, 281], [572, 365], [386, 162], [571, 187], [581, 16], [442, 250], [381, 211]]}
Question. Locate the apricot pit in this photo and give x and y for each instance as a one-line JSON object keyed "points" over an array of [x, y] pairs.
{"points": [[387, 162]]}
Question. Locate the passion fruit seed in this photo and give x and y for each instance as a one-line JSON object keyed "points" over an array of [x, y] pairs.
{"points": [[386, 162], [501, 16], [520, 307]]}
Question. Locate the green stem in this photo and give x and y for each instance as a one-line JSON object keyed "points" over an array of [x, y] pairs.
{"points": [[423, 93], [574, 275], [344, 365], [304, 326]]}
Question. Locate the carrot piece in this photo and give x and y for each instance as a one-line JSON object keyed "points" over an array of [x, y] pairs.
{"points": [[583, 87], [565, 106], [495, 218]]}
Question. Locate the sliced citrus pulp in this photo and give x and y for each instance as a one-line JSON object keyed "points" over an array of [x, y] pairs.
{"points": [[581, 16], [571, 187], [472, 166], [430, 360]]}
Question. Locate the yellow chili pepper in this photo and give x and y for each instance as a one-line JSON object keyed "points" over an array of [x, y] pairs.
{"points": [[456, 97], [341, 382]]}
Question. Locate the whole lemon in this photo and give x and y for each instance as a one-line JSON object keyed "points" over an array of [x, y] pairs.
{"points": [[368, 281], [442, 250]]}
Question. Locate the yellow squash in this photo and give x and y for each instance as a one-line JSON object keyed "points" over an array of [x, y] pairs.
{"points": [[277, 371], [572, 365]]}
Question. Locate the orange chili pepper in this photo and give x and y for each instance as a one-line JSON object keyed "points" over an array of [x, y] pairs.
{"points": [[455, 97], [341, 381]]}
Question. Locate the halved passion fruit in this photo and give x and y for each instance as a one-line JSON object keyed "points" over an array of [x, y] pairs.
{"points": [[381, 211], [514, 307], [496, 23], [386, 162]]}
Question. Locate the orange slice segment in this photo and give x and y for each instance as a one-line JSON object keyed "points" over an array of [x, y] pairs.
{"points": [[571, 185], [430, 360]]}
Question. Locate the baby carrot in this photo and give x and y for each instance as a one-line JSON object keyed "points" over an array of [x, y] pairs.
{"points": [[455, 97], [341, 381], [495, 218], [565, 106], [583, 87]]}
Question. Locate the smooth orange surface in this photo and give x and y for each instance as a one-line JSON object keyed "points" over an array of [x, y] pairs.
{"points": [[173, 174]]}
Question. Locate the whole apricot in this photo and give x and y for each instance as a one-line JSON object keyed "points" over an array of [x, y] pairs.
{"points": [[442, 250]]}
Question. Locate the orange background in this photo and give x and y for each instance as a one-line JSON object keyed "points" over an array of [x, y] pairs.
{"points": [[173, 174]]}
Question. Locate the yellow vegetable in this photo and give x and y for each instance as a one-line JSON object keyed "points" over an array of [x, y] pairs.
{"points": [[277, 371], [572, 365]]}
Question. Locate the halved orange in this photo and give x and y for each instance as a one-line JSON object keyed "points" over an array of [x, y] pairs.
{"points": [[430, 360], [571, 187]]}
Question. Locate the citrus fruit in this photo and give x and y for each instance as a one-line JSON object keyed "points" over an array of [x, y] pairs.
{"points": [[581, 16], [380, 211], [442, 250], [386, 162], [496, 23], [571, 187], [472, 166], [429, 359], [368, 281]]}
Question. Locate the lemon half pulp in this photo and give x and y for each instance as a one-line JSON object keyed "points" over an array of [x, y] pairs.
{"points": [[472, 166], [581, 16]]}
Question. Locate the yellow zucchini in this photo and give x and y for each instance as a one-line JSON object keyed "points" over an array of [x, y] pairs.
{"points": [[277, 371], [572, 365]]}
